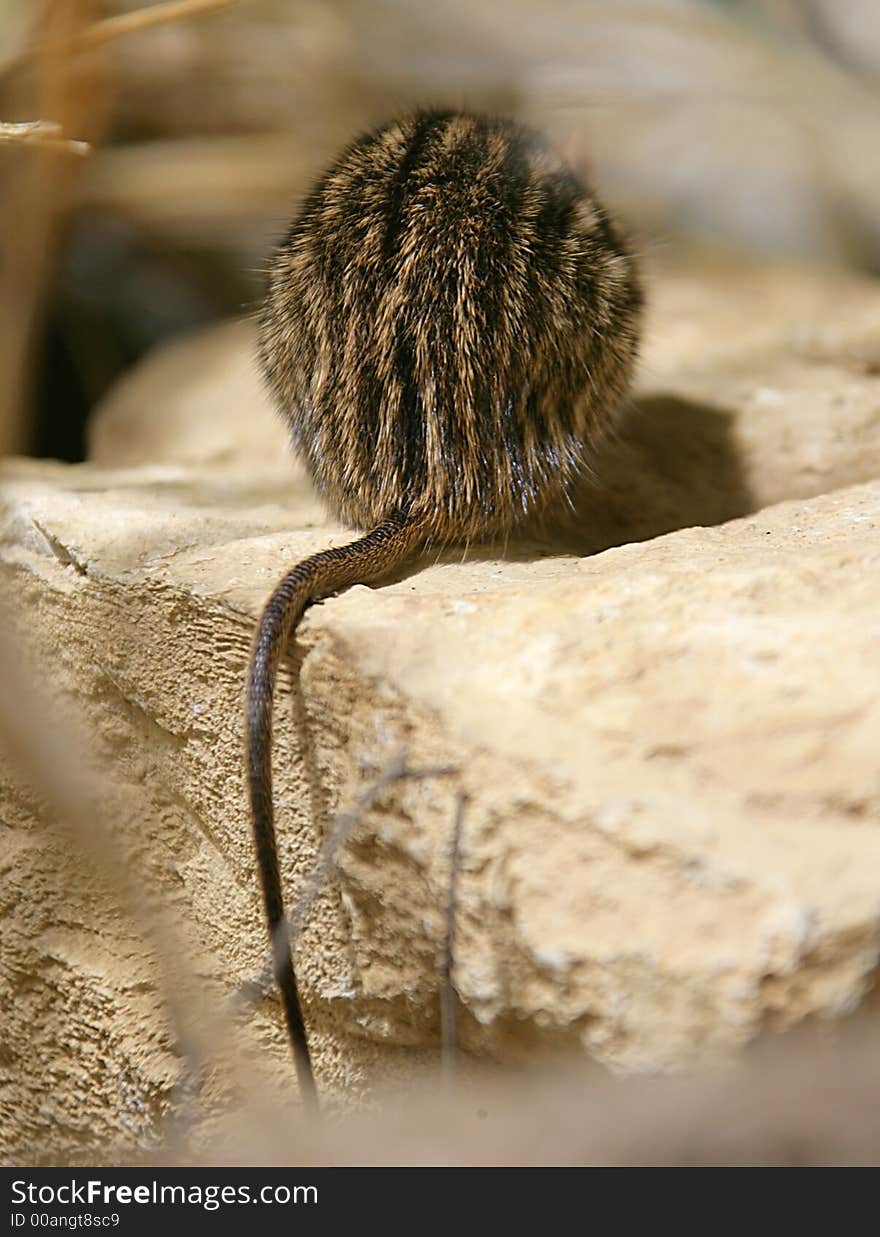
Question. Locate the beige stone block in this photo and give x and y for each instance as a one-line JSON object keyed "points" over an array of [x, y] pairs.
{"points": [[671, 840]]}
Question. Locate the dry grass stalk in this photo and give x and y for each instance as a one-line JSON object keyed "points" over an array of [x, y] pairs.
{"points": [[145, 19], [447, 966], [397, 770], [37, 190], [44, 132], [75, 90], [48, 751]]}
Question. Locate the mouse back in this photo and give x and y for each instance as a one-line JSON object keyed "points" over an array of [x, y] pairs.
{"points": [[450, 325]]}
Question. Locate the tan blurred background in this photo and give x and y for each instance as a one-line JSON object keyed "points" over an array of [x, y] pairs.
{"points": [[749, 122]]}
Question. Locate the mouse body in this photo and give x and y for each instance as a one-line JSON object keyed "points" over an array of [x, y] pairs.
{"points": [[450, 325]]}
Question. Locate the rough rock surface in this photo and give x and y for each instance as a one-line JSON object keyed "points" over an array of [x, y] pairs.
{"points": [[671, 839]]}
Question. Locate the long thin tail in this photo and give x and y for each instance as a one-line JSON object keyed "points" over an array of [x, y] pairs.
{"points": [[386, 546]]}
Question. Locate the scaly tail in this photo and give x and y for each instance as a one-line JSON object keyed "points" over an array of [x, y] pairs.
{"points": [[324, 573]]}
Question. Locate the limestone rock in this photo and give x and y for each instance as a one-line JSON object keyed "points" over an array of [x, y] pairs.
{"points": [[766, 392], [196, 401], [669, 748]]}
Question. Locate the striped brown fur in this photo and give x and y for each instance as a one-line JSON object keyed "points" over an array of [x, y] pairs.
{"points": [[450, 325]]}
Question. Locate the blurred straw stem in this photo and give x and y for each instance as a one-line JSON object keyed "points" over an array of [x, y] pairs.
{"points": [[45, 747], [36, 190], [48, 134], [75, 90], [46, 743], [141, 19]]}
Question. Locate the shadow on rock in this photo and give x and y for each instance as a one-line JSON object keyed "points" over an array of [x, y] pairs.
{"points": [[674, 464]]}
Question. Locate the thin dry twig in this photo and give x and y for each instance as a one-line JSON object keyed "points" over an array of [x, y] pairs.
{"points": [[395, 771], [449, 1039], [46, 133], [35, 199], [146, 18], [74, 90]]}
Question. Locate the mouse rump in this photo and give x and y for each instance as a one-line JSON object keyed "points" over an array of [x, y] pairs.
{"points": [[450, 324]]}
